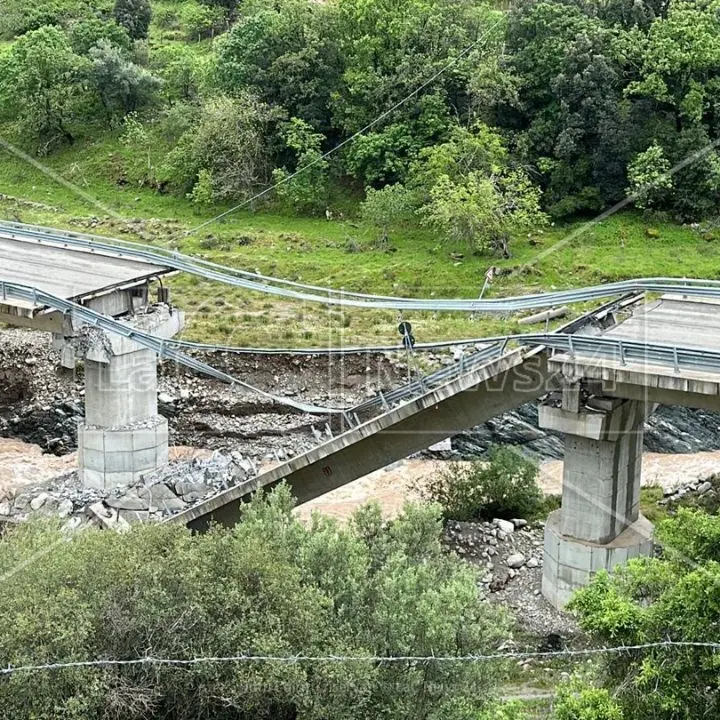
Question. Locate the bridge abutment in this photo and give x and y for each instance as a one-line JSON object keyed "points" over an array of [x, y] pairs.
{"points": [[123, 435], [599, 524]]}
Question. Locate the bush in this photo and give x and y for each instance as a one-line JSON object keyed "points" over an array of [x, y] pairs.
{"points": [[577, 701], [269, 586], [200, 21], [504, 486]]}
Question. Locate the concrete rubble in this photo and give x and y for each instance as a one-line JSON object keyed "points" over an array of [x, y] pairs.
{"points": [[157, 495]]}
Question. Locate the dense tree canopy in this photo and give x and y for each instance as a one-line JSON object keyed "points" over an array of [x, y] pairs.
{"points": [[589, 102]]}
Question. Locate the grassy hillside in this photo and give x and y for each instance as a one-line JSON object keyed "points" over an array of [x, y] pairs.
{"points": [[93, 185], [339, 253]]}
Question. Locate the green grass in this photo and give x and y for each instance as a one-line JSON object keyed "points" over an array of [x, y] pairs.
{"points": [[316, 251], [649, 498]]}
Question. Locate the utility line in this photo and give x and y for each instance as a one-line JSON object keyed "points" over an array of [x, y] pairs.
{"points": [[375, 659]]}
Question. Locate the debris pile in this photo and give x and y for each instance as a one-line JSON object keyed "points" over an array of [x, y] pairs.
{"points": [[159, 494], [509, 554]]}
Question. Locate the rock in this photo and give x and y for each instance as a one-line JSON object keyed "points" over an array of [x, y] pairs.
{"points": [[131, 500], [704, 487], [37, 502], [186, 487], [65, 508], [160, 496], [533, 563], [166, 399], [515, 560], [504, 525], [519, 523], [5, 509]]}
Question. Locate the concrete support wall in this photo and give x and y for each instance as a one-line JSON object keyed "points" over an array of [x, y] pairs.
{"points": [[598, 525], [121, 391], [123, 436]]}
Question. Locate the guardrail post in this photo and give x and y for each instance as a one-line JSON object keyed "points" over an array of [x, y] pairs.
{"points": [[570, 346], [385, 403], [675, 359], [622, 353]]}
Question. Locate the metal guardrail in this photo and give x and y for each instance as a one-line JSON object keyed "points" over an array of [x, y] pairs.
{"points": [[329, 296], [586, 346], [158, 345]]}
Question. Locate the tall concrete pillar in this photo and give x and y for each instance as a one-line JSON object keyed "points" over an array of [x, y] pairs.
{"points": [[123, 436], [599, 524]]}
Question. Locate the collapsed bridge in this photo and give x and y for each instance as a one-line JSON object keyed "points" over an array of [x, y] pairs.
{"points": [[598, 378]]}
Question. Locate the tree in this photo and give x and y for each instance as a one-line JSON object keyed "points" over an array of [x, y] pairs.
{"points": [[87, 33], [656, 599], [230, 141], [134, 16], [122, 86], [184, 71], [483, 211], [287, 54], [649, 176], [41, 86], [270, 586], [308, 192], [392, 48], [200, 20], [386, 207]]}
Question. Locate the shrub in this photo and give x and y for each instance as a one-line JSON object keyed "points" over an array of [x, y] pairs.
{"points": [[577, 701], [504, 486], [269, 586]]}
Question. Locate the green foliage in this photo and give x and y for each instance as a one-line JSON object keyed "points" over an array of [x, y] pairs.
{"points": [[20, 16], [200, 21], [202, 194], [122, 86], [288, 53], [41, 87], [85, 34], [649, 600], [504, 486], [228, 140], [184, 72], [134, 16], [649, 176], [387, 207], [577, 701], [269, 586], [228, 6], [308, 192], [483, 211]]}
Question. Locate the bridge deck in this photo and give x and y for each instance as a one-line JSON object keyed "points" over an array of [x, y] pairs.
{"points": [[68, 273], [673, 320]]}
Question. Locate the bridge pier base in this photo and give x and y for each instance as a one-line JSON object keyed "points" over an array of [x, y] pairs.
{"points": [[599, 524], [123, 436]]}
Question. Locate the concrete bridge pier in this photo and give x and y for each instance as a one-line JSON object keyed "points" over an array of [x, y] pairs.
{"points": [[123, 436], [599, 524]]}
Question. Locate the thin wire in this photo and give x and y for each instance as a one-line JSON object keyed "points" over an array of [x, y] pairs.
{"points": [[347, 141], [291, 659]]}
